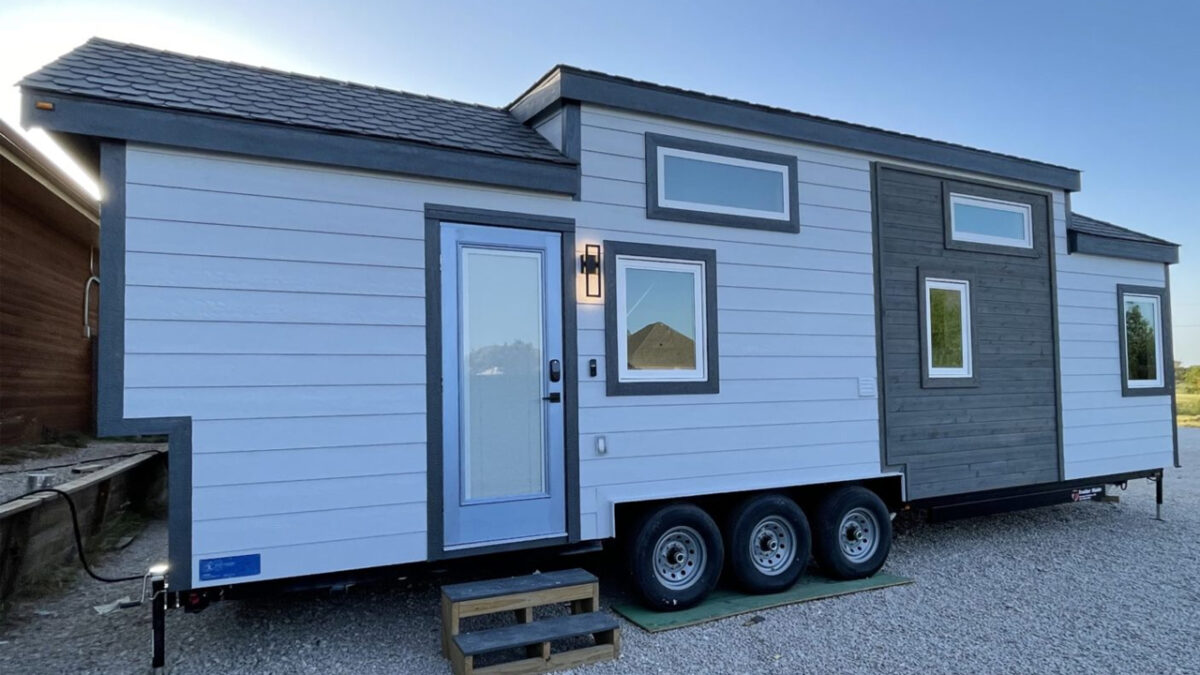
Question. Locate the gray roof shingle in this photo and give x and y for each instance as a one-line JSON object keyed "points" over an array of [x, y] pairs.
{"points": [[1082, 223], [138, 75]]}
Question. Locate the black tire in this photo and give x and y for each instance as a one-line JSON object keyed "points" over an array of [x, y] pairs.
{"points": [[859, 517], [768, 543], [668, 572]]}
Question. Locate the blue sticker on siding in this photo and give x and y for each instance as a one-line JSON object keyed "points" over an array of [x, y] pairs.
{"points": [[227, 568]]}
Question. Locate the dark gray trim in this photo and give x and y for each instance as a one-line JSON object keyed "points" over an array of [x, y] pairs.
{"points": [[89, 117], [572, 140], [880, 369], [1094, 244], [613, 385], [922, 311], [435, 215], [654, 211], [1169, 356], [596, 88], [110, 386], [972, 189], [506, 547], [1164, 342], [525, 221], [1054, 328]]}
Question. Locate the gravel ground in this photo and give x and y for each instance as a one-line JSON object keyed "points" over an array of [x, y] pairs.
{"points": [[1072, 588], [58, 460]]}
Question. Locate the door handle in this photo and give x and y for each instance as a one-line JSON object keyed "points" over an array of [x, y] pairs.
{"points": [[555, 370], [554, 397]]}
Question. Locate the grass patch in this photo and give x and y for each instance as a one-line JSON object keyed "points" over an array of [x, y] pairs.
{"points": [[1187, 407]]}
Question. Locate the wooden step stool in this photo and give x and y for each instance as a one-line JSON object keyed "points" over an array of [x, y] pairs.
{"points": [[521, 595]]}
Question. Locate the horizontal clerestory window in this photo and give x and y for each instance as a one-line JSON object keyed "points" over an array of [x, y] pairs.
{"points": [[696, 181]]}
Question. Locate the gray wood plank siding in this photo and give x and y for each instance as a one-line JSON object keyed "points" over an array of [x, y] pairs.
{"points": [[1003, 430]]}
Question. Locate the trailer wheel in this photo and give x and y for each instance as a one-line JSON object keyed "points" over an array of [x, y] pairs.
{"points": [[853, 533], [675, 556], [768, 543]]}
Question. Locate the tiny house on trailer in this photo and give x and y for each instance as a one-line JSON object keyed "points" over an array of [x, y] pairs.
{"points": [[382, 328]]}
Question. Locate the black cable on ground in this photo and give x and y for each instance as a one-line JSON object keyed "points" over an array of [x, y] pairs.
{"points": [[76, 462], [78, 537]]}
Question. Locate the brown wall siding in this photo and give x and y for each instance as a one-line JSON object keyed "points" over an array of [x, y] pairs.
{"points": [[45, 360]]}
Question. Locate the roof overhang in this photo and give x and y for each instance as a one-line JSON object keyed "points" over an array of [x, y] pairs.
{"points": [[564, 83], [95, 118], [1115, 247]]}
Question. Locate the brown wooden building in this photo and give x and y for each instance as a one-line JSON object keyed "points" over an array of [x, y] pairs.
{"points": [[49, 234]]}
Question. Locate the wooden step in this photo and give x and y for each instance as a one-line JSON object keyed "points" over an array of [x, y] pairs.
{"points": [[537, 632], [530, 583], [516, 594], [536, 637]]}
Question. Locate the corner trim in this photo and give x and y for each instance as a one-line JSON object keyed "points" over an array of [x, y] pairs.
{"points": [[928, 382], [1094, 244], [91, 117], [1168, 365], [1169, 357], [656, 212], [435, 215], [613, 385], [880, 366], [110, 372], [572, 139]]}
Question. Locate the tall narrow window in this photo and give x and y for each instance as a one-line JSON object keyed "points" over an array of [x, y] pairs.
{"points": [[661, 323], [947, 348], [1141, 315]]}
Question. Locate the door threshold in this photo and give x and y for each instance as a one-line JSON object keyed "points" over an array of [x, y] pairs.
{"points": [[503, 542]]}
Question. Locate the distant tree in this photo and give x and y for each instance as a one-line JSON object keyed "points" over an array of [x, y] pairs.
{"points": [[1139, 345], [1187, 379]]}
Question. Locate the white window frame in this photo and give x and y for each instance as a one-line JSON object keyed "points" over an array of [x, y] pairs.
{"points": [[999, 205], [1160, 381], [697, 269], [963, 287], [781, 169]]}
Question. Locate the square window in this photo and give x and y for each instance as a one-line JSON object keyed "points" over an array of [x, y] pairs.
{"points": [[660, 306], [947, 329], [1142, 358], [990, 221], [661, 324]]}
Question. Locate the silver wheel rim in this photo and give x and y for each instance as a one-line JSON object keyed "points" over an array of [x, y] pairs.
{"points": [[859, 534], [679, 558], [772, 545]]}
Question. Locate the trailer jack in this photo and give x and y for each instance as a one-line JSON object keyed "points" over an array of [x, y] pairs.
{"points": [[1158, 495]]}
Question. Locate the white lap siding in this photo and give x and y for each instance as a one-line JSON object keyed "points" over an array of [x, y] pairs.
{"points": [[796, 324], [281, 307], [1104, 433]]}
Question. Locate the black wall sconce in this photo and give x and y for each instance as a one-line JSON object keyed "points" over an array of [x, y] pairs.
{"points": [[590, 262]]}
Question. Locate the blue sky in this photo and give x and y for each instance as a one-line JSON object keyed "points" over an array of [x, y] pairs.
{"points": [[1112, 88]]}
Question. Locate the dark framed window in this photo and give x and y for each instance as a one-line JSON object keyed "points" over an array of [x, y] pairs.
{"points": [[660, 309], [701, 182], [948, 346], [1143, 319], [990, 219]]}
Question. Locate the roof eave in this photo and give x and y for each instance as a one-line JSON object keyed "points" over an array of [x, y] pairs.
{"points": [[18, 150], [98, 118], [571, 84], [1090, 243]]}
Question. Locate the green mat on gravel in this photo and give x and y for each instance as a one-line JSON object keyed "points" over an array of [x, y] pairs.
{"points": [[724, 603]]}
